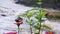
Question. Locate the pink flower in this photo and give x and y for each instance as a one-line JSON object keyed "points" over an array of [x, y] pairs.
{"points": [[49, 32], [11, 33], [18, 23]]}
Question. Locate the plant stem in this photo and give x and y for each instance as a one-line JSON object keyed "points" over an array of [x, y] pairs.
{"points": [[39, 31], [18, 29], [30, 29], [40, 19], [40, 28], [30, 26]]}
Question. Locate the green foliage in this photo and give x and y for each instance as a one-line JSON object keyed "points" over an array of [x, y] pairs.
{"points": [[28, 14], [40, 15], [30, 22], [37, 26], [39, 3]]}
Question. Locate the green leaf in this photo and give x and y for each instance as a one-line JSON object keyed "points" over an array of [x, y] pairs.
{"points": [[37, 17], [28, 21], [39, 3], [34, 8], [37, 26], [32, 23], [43, 13], [28, 14]]}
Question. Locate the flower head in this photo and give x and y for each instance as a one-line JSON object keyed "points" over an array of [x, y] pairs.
{"points": [[18, 21]]}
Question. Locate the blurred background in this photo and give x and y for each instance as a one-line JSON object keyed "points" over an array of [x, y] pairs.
{"points": [[55, 4]]}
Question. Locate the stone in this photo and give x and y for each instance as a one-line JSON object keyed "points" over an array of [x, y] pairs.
{"points": [[3, 15]]}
